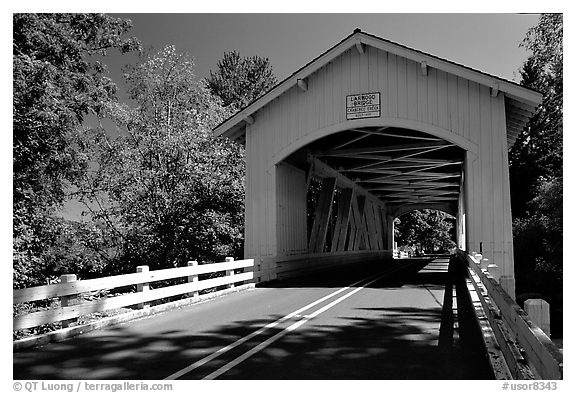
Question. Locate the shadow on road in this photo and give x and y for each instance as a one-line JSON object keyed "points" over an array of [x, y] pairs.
{"points": [[393, 343]]}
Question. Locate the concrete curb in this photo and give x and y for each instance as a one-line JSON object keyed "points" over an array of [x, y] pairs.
{"points": [[63, 334]]}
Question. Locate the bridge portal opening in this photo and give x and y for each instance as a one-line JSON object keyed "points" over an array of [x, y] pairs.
{"points": [[358, 180], [425, 232]]}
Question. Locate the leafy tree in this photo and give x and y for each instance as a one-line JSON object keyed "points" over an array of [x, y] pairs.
{"points": [[167, 188], [536, 171], [240, 80], [57, 81], [427, 231], [537, 153]]}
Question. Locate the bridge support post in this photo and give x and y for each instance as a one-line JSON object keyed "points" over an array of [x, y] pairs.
{"points": [[230, 273], [193, 278], [539, 312], [67, 300], [144, 287]]}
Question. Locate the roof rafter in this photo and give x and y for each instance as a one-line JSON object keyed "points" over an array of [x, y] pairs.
{"points": [[381, 149]]}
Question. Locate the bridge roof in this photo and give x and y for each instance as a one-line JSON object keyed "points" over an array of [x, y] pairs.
{"points": [[521, 102]]}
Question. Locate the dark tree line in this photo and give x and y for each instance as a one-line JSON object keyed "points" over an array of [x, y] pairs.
{"points": [[536, 168]]}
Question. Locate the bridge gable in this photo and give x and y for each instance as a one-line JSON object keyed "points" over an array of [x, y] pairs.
{"points": [[413, 85]]}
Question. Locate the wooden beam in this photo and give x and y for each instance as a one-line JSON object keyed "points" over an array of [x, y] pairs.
{"points": [[494, 90], [421, 193], [317, 239], [342, 219], [428, 160], [359, 241], [354, 140], [382, 149], [249, 120], [369, 223], [322, 169], [417, 177], [403, 156], [383, 169], [422, 138], [360, 47], [424, 68], [421, 199], [372, 170], [400, 165], [413, 186]]}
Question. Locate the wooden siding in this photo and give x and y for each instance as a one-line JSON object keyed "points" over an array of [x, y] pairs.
{"points": [[448, 106]]}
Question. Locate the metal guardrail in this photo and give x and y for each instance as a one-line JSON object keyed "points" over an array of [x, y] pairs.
{"points": [[525, 346], [69, 290]]}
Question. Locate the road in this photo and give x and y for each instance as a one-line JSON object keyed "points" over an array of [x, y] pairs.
{"points": [[371, 322]]}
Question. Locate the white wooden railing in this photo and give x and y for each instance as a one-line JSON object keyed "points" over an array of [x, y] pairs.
{"points": [[69, 288], [525, 347]]}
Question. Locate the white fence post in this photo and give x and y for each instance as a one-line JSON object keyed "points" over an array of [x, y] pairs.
{"points": [[194, 277], [67, 300], [539, 312], [143, 287], [230, 272], [493, 270]]}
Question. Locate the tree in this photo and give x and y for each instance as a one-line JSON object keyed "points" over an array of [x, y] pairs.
{"points": [[536, 171], [169, 190], [240, 80], [428, 231], [57, 81], [537, 153]]}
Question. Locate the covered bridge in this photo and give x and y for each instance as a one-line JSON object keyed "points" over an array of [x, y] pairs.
{"points": [[387, 129]]}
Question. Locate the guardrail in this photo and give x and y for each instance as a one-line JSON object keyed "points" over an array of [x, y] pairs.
{"points": [[69, 288], [520, 340]]}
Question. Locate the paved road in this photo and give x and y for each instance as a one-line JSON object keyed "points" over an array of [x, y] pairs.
{"points": [[362, 323]]}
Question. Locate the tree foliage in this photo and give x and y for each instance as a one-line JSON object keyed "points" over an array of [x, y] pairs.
{"points": [[240, 80], [537, 154], [536, 168], [167, 188], [426, 231], [57, 81]]}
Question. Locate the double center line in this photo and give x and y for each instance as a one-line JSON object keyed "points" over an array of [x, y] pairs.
{"points": [[360, 284]]}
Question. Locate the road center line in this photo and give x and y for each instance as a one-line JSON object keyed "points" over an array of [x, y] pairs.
{"points": [[289, 329], [229, 347]]}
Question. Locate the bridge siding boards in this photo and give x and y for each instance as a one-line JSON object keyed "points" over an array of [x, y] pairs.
{"points": [[438, 102]]}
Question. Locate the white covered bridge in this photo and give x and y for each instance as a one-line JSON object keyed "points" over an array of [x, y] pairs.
{"points": [[388, 129], [378, 130]]}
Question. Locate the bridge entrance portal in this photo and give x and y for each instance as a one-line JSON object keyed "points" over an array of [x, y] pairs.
{"points": [[378, 129]]}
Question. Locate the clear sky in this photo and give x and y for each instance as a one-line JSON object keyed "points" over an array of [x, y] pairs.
{"points": [[487, 42]]}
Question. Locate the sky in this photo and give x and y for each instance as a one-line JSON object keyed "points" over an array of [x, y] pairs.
{"points": [[487, 42]]}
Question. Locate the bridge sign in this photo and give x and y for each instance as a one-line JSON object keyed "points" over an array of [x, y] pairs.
{"points": [[362, 106]]}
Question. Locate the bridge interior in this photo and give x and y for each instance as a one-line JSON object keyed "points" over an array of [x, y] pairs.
{"points": [[398, 166]]}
